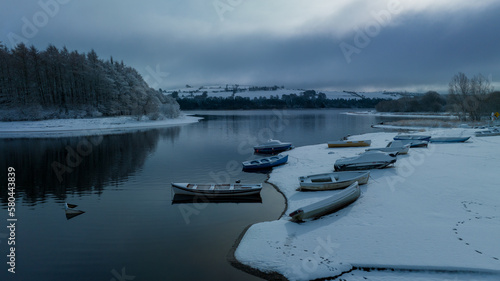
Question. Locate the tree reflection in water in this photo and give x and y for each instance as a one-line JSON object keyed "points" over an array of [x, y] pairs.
{"points": [[55, 167]]}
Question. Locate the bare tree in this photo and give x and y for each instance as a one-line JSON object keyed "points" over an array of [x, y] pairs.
{"points": [[466, 96]]}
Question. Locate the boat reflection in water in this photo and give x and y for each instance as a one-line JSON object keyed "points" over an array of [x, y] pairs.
{"points": [[186, 199], [71, 212]]}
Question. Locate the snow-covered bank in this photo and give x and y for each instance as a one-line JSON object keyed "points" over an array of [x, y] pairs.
{"points": [[436, 213], [85, 127], [405, 115]]}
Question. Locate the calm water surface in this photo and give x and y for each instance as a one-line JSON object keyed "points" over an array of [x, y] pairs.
{"points": [[132, 229]]}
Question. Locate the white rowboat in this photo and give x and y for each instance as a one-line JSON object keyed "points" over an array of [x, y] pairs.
{"points": [[365, 161], [216, 190], [335, 180], [328, 205]]}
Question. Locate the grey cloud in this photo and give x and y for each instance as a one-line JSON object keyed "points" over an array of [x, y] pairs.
{"points": [[188, 40]]}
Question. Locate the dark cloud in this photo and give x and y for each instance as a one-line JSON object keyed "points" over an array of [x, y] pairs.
{"points": [[193, 44]]}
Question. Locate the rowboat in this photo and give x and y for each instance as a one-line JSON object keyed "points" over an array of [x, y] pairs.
{"points": [[365, 161], [412, 137], [335, 180], [449, 139], [488, 133], [328, 205], [348, 143], [265, 163], [272, 147], [411, 143], [216, 190], [397, 150]]}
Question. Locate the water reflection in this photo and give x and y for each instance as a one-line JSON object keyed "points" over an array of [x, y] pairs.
{"points": [[183, 199], [56, 166]]}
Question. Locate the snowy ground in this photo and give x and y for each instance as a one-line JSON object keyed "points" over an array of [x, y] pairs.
{"points": [[84, 127], [435, 215]]}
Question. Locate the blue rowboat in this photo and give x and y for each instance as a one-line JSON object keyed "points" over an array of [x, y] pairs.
{"points": [[265, 163]]}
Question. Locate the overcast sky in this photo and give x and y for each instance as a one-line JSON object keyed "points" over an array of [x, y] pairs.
{"points": [[322, 44]]}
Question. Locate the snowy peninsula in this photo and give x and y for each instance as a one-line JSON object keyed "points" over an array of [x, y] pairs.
{"points": [[86, 127], [435, 215]]}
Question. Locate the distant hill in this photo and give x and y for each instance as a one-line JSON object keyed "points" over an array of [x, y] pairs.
{"points": [[54, 84], [270, 97], [230, 90]]}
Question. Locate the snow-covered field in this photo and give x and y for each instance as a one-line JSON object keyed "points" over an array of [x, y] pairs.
{"points": [[84, 127], [219, 91], [435, 215]]}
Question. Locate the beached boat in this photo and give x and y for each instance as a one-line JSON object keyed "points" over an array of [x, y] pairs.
{"points": [[216, 190], [488, 133], [335, 180], [265, 163], [272, 147], [349, 143], [365, 161], [393, 150], [412, 137], [328, 205], [411, 143], [449, 139]]}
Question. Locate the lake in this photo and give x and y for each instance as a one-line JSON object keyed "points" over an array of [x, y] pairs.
{"points": [[132, 229]]}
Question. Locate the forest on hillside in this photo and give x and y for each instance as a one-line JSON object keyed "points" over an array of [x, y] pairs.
{"points": [[53, 83], [306, 99]]}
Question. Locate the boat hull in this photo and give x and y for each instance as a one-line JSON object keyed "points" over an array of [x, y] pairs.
{"points": [[365, 161], [392, 150], [272, 150], [265, 163], [328, 205], [361, 143], [363, 166], [449, 139], [411, 143], [488, 133], [324, 182], [412, 137], [219, 190]]}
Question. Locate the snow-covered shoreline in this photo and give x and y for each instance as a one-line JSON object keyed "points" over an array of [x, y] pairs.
{"points": [[85, 127], [435, 215], [404, 115]]}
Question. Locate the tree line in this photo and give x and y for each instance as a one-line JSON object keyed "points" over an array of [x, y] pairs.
{"points": [[306, 99], [429, 102], [471, 99], [61, 84]]}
